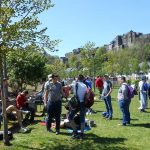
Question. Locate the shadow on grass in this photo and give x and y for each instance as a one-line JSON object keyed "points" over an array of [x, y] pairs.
{"points": [[90, 142], [134, 119], [145, 125]]}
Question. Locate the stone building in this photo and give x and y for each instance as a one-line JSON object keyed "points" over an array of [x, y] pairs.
{"points": [[126, 40]]}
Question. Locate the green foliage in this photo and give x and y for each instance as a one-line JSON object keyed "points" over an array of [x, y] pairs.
{"points": [[26, 66], [56, 67], [19, 25]]}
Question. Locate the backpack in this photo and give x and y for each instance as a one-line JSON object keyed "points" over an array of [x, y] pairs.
{"points": [[89, 98], [130, 92]]}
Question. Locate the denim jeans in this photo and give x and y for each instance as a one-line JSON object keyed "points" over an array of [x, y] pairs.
{"points": [[143, 98], [124, 107], [53, 111], [108, 105]]}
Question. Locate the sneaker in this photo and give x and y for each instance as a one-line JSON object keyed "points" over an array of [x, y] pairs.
{"points": [[23, 130], [109, 118], [142, 110], [121, 124], [57, 132]]}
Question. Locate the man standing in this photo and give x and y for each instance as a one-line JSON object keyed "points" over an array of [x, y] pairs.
{"points": [[143, 93], [53, 101], [107, 89], [79, 89]]}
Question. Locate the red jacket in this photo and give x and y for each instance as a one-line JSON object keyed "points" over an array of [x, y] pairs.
{"points": [[99, 83], [21, 101]]}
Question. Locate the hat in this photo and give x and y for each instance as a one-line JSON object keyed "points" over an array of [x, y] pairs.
{"points": [[50, 77], [143, 78]]}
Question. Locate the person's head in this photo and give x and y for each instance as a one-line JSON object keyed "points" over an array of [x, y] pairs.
{"points": [[106, 77], [49, 77], [80, 78], [143, 78], [122, 79], [5, 82], [54, 78], [25, 92]]}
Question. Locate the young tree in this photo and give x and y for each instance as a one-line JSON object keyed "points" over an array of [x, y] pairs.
{"points": [[19, 27]]}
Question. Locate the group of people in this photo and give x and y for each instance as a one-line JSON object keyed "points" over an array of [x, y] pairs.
{"points": [[53, 103], [124, 97], [53, 91]]}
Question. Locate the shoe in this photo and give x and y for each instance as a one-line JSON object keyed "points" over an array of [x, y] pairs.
{"points": [[121, 124], [142, 110], [109, 118], [75, 135], [23, 130], [81, 136], [57, 132]]}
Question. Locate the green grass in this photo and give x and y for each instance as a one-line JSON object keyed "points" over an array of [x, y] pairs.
{"points": [[106, 135]]}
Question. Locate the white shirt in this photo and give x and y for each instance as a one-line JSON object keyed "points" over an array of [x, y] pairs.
{"points": [[140, 85], [80, 91]]}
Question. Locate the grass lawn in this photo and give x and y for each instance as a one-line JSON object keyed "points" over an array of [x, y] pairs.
{"points": [[107, 135]]}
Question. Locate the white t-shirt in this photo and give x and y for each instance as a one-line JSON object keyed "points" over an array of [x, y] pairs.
{"points": [[140, 85], [80, 91]]}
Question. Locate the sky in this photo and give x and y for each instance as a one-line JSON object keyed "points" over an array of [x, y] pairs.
{"points": [[76, 22]]}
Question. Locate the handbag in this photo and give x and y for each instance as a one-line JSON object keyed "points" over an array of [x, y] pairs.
{"points": [[73, 102]]}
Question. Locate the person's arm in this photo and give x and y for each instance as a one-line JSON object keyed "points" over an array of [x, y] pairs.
{"points": [[110, 89], [46, 94], [45, 97]]}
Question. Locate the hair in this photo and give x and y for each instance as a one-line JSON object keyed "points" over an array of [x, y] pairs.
{"points": [[106, 76], [80, 77], [123, 78], [25, 92]]}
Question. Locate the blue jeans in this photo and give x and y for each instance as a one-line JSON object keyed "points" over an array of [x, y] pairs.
{"points": [[124, 107], [108, 105], [73, 112], [53, 111], [143, 99]]}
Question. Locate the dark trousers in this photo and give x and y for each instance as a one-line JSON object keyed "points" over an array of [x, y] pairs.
{"points": [[81, 110], [31, 110], [53, 111]]}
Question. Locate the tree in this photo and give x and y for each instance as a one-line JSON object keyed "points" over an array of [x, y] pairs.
{"points": [[27, 67], [19, 24], [19, 27], [86, 56]]}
